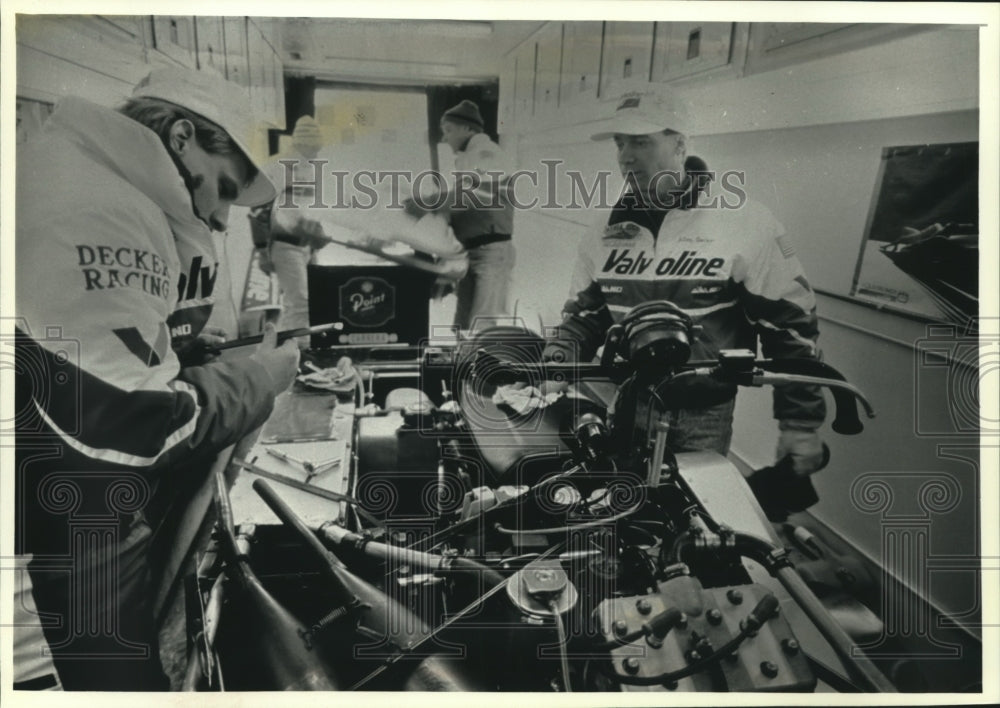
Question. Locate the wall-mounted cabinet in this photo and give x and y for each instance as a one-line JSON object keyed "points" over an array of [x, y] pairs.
{"points": [[776, 44], [266, 78], [548, 69], [506, 104], [234, 34], [682, 49], [626, 57], [525, 59], [581, 61], [211, 44], [174, 36]]}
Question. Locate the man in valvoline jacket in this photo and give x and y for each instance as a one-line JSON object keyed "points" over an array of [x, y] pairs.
{"points": [[115, 267], [728, 265]]}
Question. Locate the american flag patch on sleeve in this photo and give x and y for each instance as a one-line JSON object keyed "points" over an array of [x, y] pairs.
{"points": [[785, 244]]}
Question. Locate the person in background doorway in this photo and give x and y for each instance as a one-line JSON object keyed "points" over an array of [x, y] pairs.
{"points": [[481, 217], [288, 242]]}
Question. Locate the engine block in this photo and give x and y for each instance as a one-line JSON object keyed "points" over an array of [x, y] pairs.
{"points": [[768, 660]]}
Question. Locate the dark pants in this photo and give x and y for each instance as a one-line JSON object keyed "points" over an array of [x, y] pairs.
{"points": [[97, 614], [697, 429], [484, 292]]}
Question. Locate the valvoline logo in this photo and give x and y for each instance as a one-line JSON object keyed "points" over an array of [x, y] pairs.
{"points": [[367, 302]]}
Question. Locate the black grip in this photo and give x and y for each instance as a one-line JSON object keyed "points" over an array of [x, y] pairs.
{"points": [[846, 421]]}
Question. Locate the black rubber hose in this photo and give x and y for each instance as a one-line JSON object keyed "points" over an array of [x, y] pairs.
{"points": [[862, 670]]}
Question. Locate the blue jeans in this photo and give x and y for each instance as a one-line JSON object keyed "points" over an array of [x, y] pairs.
{"points": [[697, 429], [484, 291]]}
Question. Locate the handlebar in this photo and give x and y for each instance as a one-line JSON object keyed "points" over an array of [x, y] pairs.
{"points": [[738, 370]]}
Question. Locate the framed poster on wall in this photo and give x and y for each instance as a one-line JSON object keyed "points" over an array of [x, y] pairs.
{"points": [[921, 248]]}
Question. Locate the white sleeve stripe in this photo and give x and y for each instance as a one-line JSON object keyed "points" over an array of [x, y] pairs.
{"points": [[123, 458]]}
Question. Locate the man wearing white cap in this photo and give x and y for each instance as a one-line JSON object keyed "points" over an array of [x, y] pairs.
{"points": [[731, 269], [115, 268], [286, 244]]}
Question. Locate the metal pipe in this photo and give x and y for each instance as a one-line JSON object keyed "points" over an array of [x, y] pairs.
{"points": [[282, 336], [662, 429], [213, 611], [382, 614], [431, 562], [281, 650]]}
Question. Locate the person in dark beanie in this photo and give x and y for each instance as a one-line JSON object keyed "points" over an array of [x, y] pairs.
{"points": [[481, 217]]}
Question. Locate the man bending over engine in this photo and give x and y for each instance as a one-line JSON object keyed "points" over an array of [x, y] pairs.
{"points": [[116, 270]]}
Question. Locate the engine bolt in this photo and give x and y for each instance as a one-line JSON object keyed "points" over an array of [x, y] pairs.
{"points": [[769, 669], [653, 641], [735, 596], [644, 607], [621, 628], [693, 656], [713, 616], [790, 646], [631, 665]]}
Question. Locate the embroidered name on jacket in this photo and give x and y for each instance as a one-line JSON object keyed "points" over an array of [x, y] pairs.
{"points": [[107, 267], [687, 264]]}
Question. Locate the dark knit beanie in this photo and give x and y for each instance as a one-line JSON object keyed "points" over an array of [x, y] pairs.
{"points": [[466, 112]]}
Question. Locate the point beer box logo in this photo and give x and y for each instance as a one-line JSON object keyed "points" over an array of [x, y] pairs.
{"points": [[367, 302], [378, 304]]}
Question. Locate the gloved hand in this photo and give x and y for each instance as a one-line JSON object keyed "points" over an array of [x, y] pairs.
{"points": [[200, 350], [411, 207], [212, 336], [281, 363], [803, 445], [311, 232]]}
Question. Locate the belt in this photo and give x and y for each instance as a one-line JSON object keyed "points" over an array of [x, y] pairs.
{"points": [[289, 238], [483, 239]]}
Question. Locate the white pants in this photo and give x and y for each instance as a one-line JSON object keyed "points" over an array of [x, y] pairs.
{"points": [[290, 266]]}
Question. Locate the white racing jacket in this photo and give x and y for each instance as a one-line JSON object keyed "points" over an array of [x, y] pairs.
{"points": [[112, 266], [733, 270]]}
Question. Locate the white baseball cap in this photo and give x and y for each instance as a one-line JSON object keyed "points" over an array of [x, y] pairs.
{"points": [[643, 113], [222, 102]]}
